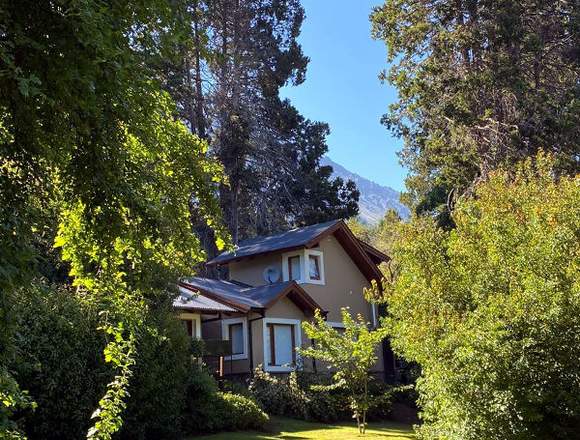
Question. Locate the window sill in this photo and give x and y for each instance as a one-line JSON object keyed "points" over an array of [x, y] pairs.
{"points": [[236, 357], [279, 369]]}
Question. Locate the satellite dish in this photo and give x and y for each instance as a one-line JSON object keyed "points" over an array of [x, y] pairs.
{"points": [[271, 274]]}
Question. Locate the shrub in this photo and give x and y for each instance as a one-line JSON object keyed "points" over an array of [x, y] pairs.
{"points": [[491, 310], [240, 412], [59, 362], [308, 396], [158, 386], [209, 410]]}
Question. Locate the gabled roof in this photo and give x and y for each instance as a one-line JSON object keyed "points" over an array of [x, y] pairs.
{"points": [[295, 238], [364, 256], [377, 256], [244, 298]]}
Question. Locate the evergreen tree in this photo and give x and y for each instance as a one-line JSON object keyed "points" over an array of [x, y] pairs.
{"points": [[229, 94], [481, 84]]}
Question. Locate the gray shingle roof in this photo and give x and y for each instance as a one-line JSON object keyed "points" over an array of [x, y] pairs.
{"points": [[187, 300], [286, 240], [252, 297]]}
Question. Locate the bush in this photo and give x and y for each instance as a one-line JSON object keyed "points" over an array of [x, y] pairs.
{"points": [[158, 386], [491, 310], [210, 411], [297, 395], [240, 412], [59, 362]]}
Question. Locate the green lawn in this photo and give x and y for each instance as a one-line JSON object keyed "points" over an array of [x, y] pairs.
{"points": [[284, 428]]}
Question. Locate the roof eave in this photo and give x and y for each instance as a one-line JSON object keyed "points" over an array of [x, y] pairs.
{"points": [[243, 308]]}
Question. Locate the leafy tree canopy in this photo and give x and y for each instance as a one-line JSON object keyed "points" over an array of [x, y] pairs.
{"points": [[352, 355], [491, 309], [94, 160], [481, 84]]}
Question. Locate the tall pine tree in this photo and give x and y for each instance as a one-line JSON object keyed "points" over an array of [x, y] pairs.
{"points": [[228, 92], [481, 84]]}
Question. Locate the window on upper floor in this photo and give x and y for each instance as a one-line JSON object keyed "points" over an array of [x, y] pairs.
{"points": [[304, 266], [294, 270], [314, 267]]}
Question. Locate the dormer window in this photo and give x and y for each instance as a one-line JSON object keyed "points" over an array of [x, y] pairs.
{"points": [[304, 266]]}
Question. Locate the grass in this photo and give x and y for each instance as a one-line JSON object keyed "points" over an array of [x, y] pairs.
{"points": [[290, 429]]}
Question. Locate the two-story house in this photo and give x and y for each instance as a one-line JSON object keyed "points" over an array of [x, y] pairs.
{"points": [[274, 284]]}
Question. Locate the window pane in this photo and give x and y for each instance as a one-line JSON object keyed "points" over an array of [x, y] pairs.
{"points": [[188, 326], [283, 347], [294, 268], [314, 267], [237, 338]]}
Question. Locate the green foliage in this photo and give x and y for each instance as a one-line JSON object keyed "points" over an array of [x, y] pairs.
{"points": [[311, 396], [351, 354], [94, 160], [158, 388], [481, 85], [229, 93], [491, 309], [209, 410], [279, 395], [240, 412], [60, 360], [58, 349]]}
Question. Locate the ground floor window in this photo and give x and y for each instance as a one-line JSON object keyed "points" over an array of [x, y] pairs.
{"points": [[236, 330], [192, 324], [281, 337]]}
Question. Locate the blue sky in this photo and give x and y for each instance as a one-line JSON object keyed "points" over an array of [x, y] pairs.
{"points": [[342, 88]]}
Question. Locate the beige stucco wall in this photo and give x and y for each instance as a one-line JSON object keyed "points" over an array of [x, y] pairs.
{"points": [[343, 287], [344, 281], [251, 271]]}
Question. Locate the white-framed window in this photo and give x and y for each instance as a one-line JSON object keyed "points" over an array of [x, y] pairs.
{"points": [[281, 338], [314, 266], [236, 330], [192, 323], [304, 266]]}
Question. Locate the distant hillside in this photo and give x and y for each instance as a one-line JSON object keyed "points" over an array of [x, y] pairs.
{"points": [[374, 199]]}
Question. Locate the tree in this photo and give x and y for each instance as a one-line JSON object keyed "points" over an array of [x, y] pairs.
{"points": [[229, 94], [490, 310], [481, 85], [95, 161], [351, 354]]}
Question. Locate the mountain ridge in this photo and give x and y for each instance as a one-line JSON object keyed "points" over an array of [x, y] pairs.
{"points": [[375, 199]]}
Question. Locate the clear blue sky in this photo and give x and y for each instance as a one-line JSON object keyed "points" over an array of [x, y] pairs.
{"points": [[342, 88]]}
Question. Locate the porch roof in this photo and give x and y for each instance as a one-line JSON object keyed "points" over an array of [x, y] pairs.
{"points": [[243, 298]]}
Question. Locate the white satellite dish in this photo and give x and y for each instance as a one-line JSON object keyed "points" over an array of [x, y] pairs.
{"points": [[271, 274]]}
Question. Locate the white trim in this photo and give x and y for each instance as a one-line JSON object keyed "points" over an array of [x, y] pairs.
{"points": [[335, 324], [320, 255], [196, 317], [226, 335], [266, 335], [374, 311], [304, 255], [286, 272]]}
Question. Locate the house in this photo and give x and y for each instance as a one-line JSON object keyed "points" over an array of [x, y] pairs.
{"points": [[274, 284]]}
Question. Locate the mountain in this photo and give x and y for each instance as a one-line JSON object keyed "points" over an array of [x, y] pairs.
{"points": [[374, 199]]}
